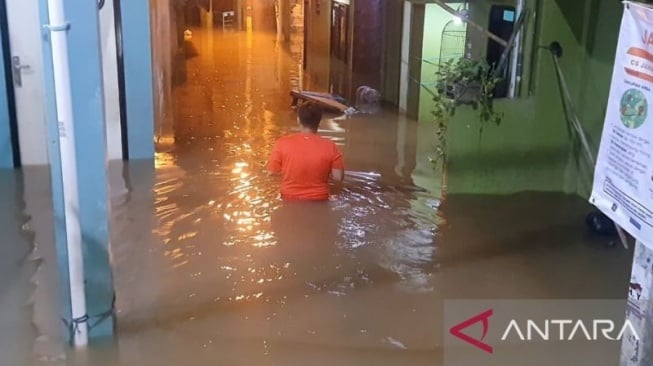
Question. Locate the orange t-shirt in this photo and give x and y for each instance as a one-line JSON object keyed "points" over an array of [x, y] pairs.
{"points": [[305, 162]]}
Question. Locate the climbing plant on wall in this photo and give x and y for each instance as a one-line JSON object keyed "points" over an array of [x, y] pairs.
{"points": [[463, 82]]}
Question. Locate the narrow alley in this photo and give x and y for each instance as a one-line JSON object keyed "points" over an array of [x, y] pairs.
{"points": [[212, 268], [232, 271]]}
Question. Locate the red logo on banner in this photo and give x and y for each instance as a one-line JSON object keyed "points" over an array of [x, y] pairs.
{"points": [[484, 319]]}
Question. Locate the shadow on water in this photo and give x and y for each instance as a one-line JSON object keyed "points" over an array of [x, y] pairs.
{"points": [[532, 245]]}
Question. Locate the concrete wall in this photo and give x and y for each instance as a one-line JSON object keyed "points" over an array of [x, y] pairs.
{"points": [[435, 20], [414, 60], [111, 90], [318, 33], [263, 16], [404, 80], [392, 51], [532, 149], [34, 139], [407, 71], [6, 149], [164, 43], [365, 53], [598, 41]]}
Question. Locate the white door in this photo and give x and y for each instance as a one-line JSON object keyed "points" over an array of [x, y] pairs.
{"points": [[27, 66]]}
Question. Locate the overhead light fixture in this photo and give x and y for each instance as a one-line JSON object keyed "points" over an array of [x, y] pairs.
{"points": [[458, 20]]}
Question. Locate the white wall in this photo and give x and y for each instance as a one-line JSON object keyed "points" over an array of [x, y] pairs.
{"points": [[111, 91], [436, 20], [163, 45], [25, 39], [405, 57], [30, 98]]}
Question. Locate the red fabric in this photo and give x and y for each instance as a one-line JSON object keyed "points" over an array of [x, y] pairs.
{"points": [[305, 162]]}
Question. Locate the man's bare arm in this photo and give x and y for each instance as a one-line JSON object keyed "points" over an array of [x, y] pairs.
{"points": [[338, 175]]}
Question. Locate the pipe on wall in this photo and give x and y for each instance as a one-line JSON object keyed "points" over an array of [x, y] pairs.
{"points": [[63, 95], [515, 62], [122, 102]]}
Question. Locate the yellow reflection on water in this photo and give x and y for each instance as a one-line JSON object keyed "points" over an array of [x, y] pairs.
{"points": [[164, 159], [264, 239], [248, 24]]}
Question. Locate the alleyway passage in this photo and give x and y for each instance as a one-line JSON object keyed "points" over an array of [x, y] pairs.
{"points": [[212, 269], [239, 278]]}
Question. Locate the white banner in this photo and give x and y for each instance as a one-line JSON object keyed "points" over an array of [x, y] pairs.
{"points": [[623, 180]]}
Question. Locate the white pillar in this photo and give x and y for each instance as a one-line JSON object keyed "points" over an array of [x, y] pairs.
{"points": [[64, 104], [639, 352]]}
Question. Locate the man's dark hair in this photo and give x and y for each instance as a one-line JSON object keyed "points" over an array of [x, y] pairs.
{"points": [[310, 115]]}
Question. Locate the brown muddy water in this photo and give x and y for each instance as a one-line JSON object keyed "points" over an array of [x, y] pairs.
{"points": [[212, 268]]}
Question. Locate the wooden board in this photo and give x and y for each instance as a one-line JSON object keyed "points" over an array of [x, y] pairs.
{"points": [[324, 100]]}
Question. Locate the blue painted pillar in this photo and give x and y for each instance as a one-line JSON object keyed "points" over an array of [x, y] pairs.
{"points": [[137, 63], [6, 151], [55, 171], [90, 133]]}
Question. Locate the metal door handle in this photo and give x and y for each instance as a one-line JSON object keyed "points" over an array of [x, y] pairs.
{"points": [[18, 68]]}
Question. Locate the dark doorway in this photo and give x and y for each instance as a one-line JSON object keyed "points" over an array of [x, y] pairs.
{"points": [[367, 44], [339, 48], [117, 10], [339, 32], [502, 23], [11, 99]]}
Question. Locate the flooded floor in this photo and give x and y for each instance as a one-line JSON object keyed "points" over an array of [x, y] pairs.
{"points": [[212, 268]]}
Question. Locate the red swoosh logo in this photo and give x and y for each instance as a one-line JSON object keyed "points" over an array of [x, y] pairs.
{"points": [[484, 319]]}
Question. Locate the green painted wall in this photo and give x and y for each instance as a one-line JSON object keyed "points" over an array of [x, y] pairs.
{"points": [[435, 19], [392, 50], [600, 42], [532, 149]]}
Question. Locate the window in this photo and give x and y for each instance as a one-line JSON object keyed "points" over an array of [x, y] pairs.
{"points": [[502, 23]]}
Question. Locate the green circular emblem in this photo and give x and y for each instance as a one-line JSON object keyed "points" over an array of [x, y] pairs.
{"points": [[634, 108]]}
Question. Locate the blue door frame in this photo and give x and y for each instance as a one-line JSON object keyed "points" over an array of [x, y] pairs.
{"points": [[134, 77], [9, 150]]}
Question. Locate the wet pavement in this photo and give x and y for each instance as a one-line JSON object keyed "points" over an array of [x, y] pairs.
{"points": [[211, 267]]}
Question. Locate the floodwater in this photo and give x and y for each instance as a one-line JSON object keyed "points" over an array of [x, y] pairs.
{"points": [[212, 268]]}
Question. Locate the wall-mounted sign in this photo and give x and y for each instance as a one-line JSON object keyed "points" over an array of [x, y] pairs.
{"points": [[623, 179]]}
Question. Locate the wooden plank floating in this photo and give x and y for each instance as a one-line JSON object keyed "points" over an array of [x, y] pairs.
{"points": [[325, 100]]}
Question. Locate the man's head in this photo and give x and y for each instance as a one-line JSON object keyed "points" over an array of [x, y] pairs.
{"points": [[310, 115]]}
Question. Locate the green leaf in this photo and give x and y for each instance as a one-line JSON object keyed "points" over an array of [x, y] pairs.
{"points": [[454, 77]]}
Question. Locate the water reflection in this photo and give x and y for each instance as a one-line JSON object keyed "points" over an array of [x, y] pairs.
{"points": [[211, 267], [237, 270], [307, 234], [16, 336], [233, 275]]}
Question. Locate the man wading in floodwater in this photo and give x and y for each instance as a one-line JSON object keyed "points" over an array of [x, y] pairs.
{"points": [[305, 160]]}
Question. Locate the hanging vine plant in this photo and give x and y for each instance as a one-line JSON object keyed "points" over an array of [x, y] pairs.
{"points": [[463, 82]]}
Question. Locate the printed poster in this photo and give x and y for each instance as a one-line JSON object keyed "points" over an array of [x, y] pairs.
{"points": [[623, 179]]}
